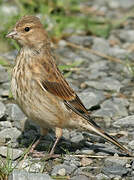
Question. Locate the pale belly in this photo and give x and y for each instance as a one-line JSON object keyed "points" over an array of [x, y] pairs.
{"points": [[40, 106]]}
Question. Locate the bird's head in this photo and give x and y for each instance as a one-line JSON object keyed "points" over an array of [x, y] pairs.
{"points": [[29, 32]]}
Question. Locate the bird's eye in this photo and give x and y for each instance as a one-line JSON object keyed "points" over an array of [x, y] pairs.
{"points": [[27, 29]]}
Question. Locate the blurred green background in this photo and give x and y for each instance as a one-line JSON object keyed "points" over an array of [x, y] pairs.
{"points": [[61, 18]]}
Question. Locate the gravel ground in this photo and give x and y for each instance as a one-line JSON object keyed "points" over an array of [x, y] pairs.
{"points": [[99, 82]]}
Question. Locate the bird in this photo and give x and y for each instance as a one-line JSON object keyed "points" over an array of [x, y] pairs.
{"points": [[40, 89]]}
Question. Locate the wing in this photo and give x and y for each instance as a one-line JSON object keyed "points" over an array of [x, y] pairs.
{"points": [[53, 81]]}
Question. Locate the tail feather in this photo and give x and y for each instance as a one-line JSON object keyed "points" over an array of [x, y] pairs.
{"points": [[106, 136], [87, 124]]}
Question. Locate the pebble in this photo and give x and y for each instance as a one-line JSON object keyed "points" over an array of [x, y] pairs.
{"points": [[81, 40], [68, 169], [4, 77], [80, 177], [115, 166], [15, 114], [102, 177], [131, 144], [76, 137], [62, 172], [125, 122], [90, 99], [2, 110], [10, 133], [112, 108], [106, 83], [5, 124], [12, 153], [127, 35], [24, 175]]}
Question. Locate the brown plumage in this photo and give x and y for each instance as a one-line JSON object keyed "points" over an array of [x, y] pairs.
{"points": [[40, 89]]}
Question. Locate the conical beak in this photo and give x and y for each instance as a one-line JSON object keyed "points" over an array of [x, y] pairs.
{"points": [[12, 34]]}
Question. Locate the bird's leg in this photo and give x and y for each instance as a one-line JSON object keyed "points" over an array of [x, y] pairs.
{"points": [[58, 133], [32, 149]]}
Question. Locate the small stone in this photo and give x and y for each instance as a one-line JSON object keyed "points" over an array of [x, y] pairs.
{"points": [[76, 137], [72, 161], [125, 122], [3, 74], [16, 115], [112, 108], [80, 177], [106, 83], [86, 161], [68, 169], [23, 175], [10, 152], [102, 177], [115, 166], [5, 124], [10, 133], [90, 99], [101, 45], [62, 172], [118, 52], [81, 40], [116, 160], [2, 110], [87, 151], [131, 144], [114, 4], [127, 35]]}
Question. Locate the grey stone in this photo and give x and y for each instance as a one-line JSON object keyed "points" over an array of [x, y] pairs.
{"points": [[115, 166], [10, 55], [80, 177], [62, 172], [71, 161], [23, 175], [131, 107], [95, 74], [3, 74], [133, 165], [69, 169], [4, 92], [102, 177], [90, 99], [2, 110], [101, 45], [120, 4], [9, 10], [10, 133], [32, 165], [112, 108], [131, 144], [118, 52], [106, 83], [89, 56], [99, 66], [125, 122], [12, 153], [76, 137], [16, 115], [81, 40], [5, 124], [87, 151], [113, 160], [127, 35]]}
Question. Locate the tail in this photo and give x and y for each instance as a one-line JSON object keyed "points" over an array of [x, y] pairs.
{"points": [[87, 124]]}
